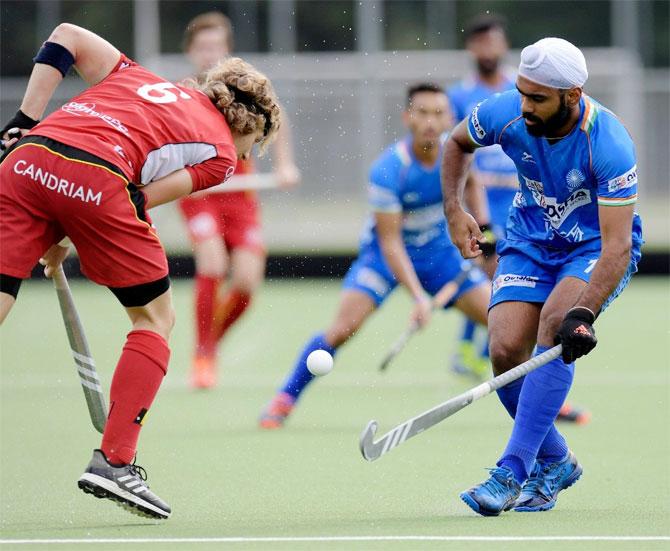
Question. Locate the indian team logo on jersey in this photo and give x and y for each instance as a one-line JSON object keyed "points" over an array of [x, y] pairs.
{"points": [[556, 212], [574, 179], [475, 123], [514, 280], [626, 180]]}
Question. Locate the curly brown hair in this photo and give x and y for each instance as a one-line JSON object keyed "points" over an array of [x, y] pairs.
{"points": [[244, 96]]}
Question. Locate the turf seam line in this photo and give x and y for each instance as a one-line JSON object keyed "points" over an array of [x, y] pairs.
{"points": [[289, 539]]}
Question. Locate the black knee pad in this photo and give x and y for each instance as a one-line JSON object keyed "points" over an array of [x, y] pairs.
{"points": [[143, 294], [10, 284]]}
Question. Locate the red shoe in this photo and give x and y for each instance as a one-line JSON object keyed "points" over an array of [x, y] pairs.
{"points": [[570, 414], [203, 372], [276, 413]]}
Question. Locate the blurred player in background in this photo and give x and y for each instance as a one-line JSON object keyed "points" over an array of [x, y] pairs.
{"points": [[78, 174], [572, 244], [225, 228], [486, 42], [405, 241]]}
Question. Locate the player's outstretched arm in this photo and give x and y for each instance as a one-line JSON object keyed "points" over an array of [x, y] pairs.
{"points": [[389, 230], [576, 331], [456, 158], [92, 56]]}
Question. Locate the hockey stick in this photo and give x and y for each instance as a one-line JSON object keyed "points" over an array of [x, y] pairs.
{"points": [[442, 297], [374, 450], [246, 182], [88, 377]]}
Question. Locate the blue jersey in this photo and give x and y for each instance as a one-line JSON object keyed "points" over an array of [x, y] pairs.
{"points": [[399, 183], [494, 169], [561, 185]]}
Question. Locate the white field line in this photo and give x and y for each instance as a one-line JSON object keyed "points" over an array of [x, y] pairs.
{"points": [[327, 539]]}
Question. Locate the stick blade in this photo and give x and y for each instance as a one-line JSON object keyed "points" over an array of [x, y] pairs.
{"points": [[366, 443]]}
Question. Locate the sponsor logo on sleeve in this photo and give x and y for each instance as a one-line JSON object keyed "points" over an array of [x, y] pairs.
{"points": [[476, 124], [514, 280], [626, 180]]}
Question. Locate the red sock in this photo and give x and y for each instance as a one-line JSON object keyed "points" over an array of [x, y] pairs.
{"points": [[138, 375], [206, 288], [228, 311]]}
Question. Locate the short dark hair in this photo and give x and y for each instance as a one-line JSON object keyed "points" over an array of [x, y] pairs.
{"points": [[423, 87], [208, 20], [483, 24]]}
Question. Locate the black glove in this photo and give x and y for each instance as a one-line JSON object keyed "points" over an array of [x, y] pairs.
{"points": [[576, 333], [487, 247], [20, 120]]}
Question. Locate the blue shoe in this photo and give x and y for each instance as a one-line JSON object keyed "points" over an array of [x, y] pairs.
{"points": [[495, 495], [540, 491]]}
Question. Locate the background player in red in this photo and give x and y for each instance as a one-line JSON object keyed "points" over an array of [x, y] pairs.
{"points": [[225, 228], [79, 173]]}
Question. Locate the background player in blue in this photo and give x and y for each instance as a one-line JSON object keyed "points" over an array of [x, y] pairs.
{"points": [[573, 241], [486, 43], [405, 241]]}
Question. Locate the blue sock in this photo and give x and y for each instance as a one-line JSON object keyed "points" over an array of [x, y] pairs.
{"points": [[469, 327], [296, 382], [541, 396], [553, 448]]}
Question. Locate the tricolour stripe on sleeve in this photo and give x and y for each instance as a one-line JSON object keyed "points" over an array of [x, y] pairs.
{"points": [[617, 201]]}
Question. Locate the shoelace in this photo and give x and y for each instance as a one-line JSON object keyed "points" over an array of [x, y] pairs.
{"points": [[539, 483], [136, 469], [493, 485]]}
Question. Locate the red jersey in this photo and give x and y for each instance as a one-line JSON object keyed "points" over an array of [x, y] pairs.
{"points": [[147, 127]]}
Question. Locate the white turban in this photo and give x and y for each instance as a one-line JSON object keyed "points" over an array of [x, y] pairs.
{"points": [[554, 62]]}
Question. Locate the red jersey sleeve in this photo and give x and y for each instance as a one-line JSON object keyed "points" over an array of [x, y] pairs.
{"points": [[215, 170]]}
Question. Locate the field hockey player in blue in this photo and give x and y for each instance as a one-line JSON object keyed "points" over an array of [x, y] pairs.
{"points": [[573, 242], [405, 241]]}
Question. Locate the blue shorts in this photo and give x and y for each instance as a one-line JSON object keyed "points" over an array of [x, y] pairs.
{"points": [[371, 275], [528, 273]]}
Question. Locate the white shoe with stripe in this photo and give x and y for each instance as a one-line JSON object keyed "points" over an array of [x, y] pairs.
{"points": [[123, 484]]}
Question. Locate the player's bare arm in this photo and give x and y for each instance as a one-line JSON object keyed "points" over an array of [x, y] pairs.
{"points": [[169, 188], [285, 168], [576, 332], [92, 56], [389, 229], [456, 159], [615, 224]]}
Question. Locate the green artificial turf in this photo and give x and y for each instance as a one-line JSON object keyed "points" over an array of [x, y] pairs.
{"points": [[224, 477]]}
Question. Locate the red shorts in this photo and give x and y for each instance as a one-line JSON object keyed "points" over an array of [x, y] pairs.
{"points": [[49, 190], [233, 216]]}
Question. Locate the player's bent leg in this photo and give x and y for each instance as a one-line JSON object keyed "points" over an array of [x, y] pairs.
{"points": [[247, 272], [555, 468], [137, 378], [534, 436], [355, 307], [512, 334], [211, 261]]}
